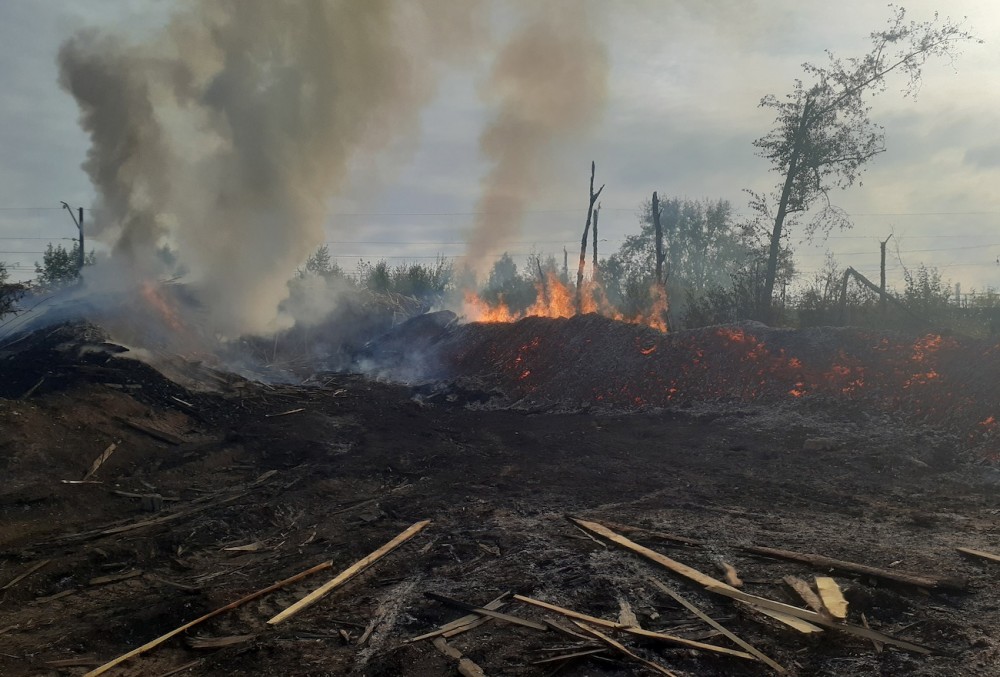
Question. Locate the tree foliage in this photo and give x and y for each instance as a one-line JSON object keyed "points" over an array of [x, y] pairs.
{"points": [[59, 265], [10, 293], [823, 135]]}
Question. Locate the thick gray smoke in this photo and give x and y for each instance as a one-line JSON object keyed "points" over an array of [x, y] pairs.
{"points": [[223, 139], [550, 83]]}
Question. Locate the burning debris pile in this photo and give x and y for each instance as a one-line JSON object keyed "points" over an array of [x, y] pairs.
{"points": [[593, 361]]}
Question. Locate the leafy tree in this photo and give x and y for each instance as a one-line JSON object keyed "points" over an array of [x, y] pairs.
{"points": [[321, 263], [59, 266], [9, 292], [710, 260], [506, 286], [925, 292], [823, 134]]}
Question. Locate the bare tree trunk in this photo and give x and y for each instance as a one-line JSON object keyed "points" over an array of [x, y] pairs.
{"points": [[542, 281], [597, 211], [658, 230], [565, 275], [583, 242], [82, 256], [779, 218]]}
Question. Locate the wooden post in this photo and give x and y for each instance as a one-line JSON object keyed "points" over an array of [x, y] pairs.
{"points": [[583, 242], [565, 274], [881, 286]]}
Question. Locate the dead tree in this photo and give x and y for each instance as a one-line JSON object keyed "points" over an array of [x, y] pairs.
{"points": [[658, 230], [597, 211], [849, 273], [542, 281], [583, 242]]}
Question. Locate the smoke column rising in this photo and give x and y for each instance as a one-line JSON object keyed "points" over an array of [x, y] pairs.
{"points": [[550, 83], [224, 138]]}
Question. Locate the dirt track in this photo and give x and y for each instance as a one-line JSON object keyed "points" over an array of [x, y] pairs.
{"points": [[362, 461]]}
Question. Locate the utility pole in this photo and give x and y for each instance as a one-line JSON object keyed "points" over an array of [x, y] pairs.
{"points": [[881, 293], [79, 224]]}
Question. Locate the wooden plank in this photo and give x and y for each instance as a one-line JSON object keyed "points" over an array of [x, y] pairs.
{"points": [[689, 643], [803, 590], [777, 667], [614, 625], [805, 627], [833, 598], [348, 573], [32, 569], [813, 617], [570, 656], [462, 623], [823, 562], [516, 620], [632, 630], [649, 533], [979, 553], [621, 647], [664, 561], [99, 461], [212, 614]]}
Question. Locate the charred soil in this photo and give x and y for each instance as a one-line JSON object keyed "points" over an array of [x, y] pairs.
{"points": [[213, 493]]}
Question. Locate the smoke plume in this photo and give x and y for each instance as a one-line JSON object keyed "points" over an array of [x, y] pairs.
{"points": [[550, 85], [222, 140]]}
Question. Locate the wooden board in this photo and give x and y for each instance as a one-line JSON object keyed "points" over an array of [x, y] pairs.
{"points": [[833, 598]]}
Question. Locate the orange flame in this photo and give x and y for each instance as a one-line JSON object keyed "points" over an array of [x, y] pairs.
{"points": [[153, 295], [555, 299]]}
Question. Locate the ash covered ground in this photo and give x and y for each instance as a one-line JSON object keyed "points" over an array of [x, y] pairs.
{"points": [[219, 486]]}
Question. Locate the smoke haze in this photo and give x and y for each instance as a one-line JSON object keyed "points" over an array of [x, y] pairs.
{"points": [[223, 139]]}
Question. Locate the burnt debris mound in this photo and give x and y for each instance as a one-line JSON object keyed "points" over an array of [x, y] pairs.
{"points": [[592, 361]]}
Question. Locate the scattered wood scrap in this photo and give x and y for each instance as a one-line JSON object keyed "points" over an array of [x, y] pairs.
{"points": [[466, 667], [160, 435], [212, 614], [114, 578], [705, 617], [464, 623], [32, 569], [348, 573], [516, 620], [285, 413], [982, 554], [729, 571], [833, 598], [99, 461], [803, 590], [621, 648], [632, 630], [677, 567], [823, 562], [813, 617], [200, 642]]}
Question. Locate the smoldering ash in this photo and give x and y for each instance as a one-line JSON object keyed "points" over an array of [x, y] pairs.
{"points": [[223, 138]]}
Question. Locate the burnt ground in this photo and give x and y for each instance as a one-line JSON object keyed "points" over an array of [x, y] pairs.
{"points": [[362, 461]]}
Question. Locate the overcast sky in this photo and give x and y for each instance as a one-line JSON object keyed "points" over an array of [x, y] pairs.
{"points": [[685, 81]]}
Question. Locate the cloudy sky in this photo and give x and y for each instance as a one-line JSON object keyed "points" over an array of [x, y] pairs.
{"points": [[684, 82]]}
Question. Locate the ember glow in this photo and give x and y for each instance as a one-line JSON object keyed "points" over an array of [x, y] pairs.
{"points": [[555, 299]]}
